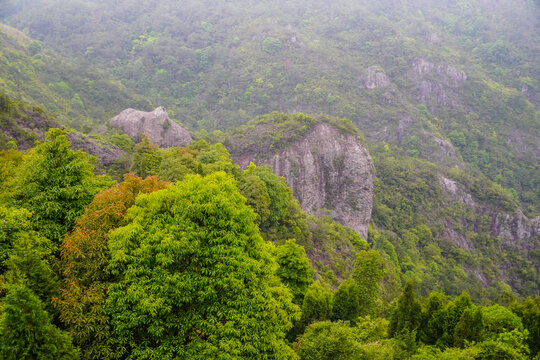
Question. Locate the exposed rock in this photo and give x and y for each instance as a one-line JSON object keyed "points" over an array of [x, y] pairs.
{"points": [[326, 168], [437, 81], [514, 229], [106, 153], [38, 124], [446, 147], [156, 125], [374, 77], [404, 123], [434, 38]]}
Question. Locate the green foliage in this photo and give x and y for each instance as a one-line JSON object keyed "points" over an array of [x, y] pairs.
{"points": [[146, 158], [195, 279], [29, 263], [498, 320], [56, 184], [317, 305], [346, 302], [328, 341], [84, 260], [407, 315], [469, 328], [271, 45], [26, 331], [367, 274], [529, 312], [294, 270]]}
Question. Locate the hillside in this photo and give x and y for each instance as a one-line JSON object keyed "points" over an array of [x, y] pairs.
{"points": [[415, 75], [76, 92]]}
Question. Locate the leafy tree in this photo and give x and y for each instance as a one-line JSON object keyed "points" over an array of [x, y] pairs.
{"points": [[146, 158], [317, 305], [26, 331], [84, 259], [529, 312], [407, 315], [498, 350], [29, 263], [346, 302], [195, 279], [254, 189], [13, 223], [328, 341], [56, 184], [368, 272], [498, 319], [294, 270], [433, 317], [452, 316], [469, 328]]}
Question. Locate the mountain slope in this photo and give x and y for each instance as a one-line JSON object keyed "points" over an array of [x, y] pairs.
{"points": [[451, 82]]}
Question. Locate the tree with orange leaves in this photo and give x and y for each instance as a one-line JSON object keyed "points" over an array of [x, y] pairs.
{"points": [[84, 259]]}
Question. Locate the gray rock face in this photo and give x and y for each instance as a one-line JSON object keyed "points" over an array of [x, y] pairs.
{"points": [[374, 77], [107, 154], [156, 125], [513, 228], [437, 84], [326, 169]]}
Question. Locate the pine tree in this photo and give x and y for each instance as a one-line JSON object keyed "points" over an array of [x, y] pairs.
{"points": [[407, 315], [346, 302], [469, 328]]}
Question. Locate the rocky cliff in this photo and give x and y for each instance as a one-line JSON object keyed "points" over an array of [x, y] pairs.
{"points": [[156, 125], [28, 125], [512, 227], [323, 161]]}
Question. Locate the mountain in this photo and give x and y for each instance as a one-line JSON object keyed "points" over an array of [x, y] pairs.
{"points": [[78, 94], [446, 95], [455, 83]]}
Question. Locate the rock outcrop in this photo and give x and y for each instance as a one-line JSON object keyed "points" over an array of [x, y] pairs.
{"points": [[514, 229], [156, 125], [107, 154], [437, 84], [374, 77], [326, 167], [37, 125]]}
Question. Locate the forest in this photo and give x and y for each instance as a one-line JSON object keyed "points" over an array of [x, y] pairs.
{"points": [[181, 253]]}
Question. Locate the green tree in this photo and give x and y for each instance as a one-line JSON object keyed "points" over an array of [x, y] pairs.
{"points": [[433, 319], [346, 302], [254, 189], [328, 341], [529, 312], [84, 259], [195, 279], [368, 272], [317, 305], [469, 328], [407, 315], [451, 317], [498, 320], [146, 158], [294, 270], [26, 331], [56, 184]]}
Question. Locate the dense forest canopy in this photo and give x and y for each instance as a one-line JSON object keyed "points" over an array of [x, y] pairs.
{"points": [[141, 252]]}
